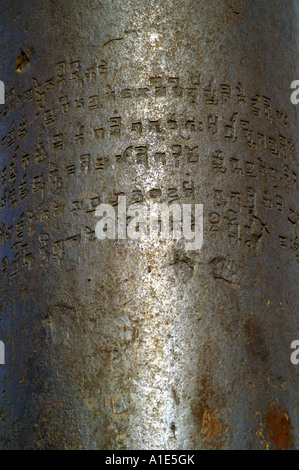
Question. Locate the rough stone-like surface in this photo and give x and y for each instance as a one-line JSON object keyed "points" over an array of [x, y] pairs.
{"points": [[127, 345]]}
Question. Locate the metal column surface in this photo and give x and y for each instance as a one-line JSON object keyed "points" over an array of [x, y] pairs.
{"points": [[125, 344]]}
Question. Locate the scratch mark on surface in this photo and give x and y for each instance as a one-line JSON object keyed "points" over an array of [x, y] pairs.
{"points": [[111, 40]]}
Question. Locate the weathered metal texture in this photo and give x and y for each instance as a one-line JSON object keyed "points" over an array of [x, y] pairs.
{"points": [[127, 345]]}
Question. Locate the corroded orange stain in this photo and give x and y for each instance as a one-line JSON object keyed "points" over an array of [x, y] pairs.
{"points": [[211, 427], [278, 425]]}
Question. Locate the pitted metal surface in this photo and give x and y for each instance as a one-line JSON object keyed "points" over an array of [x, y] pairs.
{"points": [[118, 344]]}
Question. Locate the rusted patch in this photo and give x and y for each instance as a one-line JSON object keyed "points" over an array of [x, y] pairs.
{"points": [[24, 59], [207, 412], [211, 426], [278, 425]]}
